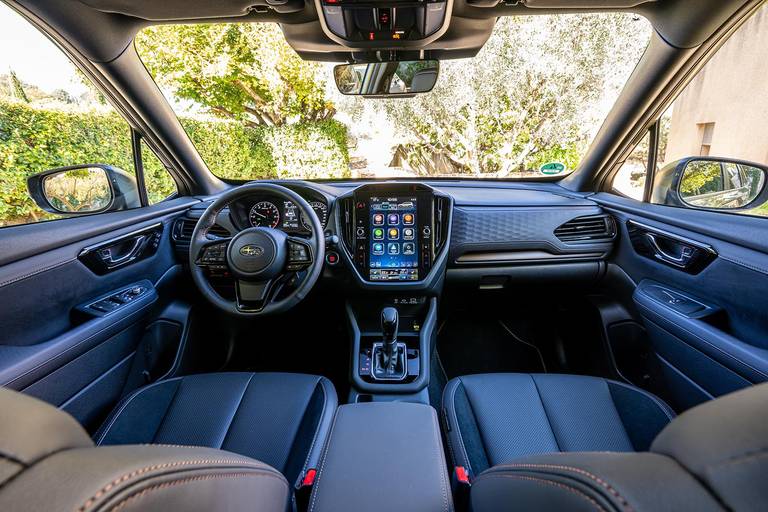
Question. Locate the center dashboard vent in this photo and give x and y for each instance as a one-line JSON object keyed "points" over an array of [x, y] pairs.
{"points": [[592, 228], [183, 228]]}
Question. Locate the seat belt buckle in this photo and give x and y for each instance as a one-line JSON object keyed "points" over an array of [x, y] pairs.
{"points": [[309, 478], [304, 489], [461, 482]]}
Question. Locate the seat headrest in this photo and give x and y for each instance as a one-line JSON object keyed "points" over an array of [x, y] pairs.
{"points": [[31, 429], [725, 443]]}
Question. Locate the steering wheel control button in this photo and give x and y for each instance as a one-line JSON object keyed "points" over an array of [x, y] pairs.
{"points": [[215, 254], [298, 256], [331, 258]]}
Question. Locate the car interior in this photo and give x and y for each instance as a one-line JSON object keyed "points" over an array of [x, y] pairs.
{"points": [[406, 343]]}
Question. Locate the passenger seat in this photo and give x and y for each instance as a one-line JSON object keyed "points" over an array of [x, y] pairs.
{"points": [[495, 418], [509, 432]]}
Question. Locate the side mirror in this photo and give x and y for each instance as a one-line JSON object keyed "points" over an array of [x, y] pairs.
{"points": [[383, 79], [84, 189], [711, 183]]}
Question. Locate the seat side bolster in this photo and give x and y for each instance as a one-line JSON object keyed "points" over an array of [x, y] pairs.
{"points": [[622, 482], [120, 427], [314, 430], [138, 477], [643, 414], [463, 434]]}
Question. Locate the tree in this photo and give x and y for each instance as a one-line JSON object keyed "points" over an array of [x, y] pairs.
{"points": [[535, 92], [17, 89], [244, 71]]}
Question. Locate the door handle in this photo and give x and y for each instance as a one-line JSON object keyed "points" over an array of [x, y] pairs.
{"points": [[671, 249], [682, 261], [112, 261]]}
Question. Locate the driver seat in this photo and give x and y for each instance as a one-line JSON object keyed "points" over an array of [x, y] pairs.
{"points": [[48, 461], [281, 419]]}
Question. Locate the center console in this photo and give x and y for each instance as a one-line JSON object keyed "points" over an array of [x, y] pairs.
{"points": [[394, 240], [383, 457]]}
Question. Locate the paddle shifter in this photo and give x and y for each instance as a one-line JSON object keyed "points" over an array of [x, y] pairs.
{"points": [[389, 361]]}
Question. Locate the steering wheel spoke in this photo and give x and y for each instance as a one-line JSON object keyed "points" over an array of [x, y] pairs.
{"points": [[299, 254], [252, 296]]}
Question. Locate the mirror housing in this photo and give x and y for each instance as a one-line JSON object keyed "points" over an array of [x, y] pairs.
{"points": [[711, 183], [119, 190], [387, 79]]}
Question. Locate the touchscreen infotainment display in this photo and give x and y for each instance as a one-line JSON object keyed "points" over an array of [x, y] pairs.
{"points": [[393, 244]]}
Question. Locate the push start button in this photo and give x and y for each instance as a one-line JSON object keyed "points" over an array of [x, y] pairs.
{"points": [[331, 257]]}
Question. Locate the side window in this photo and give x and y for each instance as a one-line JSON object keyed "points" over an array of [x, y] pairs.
{"points": [[713, 141], [630, 179], [160, 185], [52, 117]]}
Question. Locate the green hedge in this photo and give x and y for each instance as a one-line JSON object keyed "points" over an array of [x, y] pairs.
{"points": [[33, 140]]}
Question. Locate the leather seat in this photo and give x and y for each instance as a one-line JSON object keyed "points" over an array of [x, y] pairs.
{"points": [[48, 462], [281, 419], [495, 418], [714, 457]]}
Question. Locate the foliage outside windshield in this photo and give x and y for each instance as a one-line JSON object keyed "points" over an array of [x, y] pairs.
{"points": [[536, 94]]}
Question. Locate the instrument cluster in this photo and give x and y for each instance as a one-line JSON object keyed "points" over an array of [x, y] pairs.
{"points": [[275, 212]]}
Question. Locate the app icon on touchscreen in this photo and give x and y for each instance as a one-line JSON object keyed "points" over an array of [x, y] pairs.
{"points": [[394, 218], [409, 248], [378, 219], [378, 249], [409, 233], [408, 218], [393, 248], [378, 234], [394, 233]]}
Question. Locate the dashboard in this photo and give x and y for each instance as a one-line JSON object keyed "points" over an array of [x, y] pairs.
{"points": [[406, 236]]}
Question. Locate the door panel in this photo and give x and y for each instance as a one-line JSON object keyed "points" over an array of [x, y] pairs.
{"points": [[706, 322], [56, 344]]}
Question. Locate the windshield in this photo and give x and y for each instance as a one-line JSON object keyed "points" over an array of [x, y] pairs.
{"points": [[528, 105]]}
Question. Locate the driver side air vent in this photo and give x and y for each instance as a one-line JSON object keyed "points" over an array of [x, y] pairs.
{"points": [[347, 215], [183, 228], [592, 228]]}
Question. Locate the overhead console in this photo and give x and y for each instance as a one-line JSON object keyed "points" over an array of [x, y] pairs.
{"points": [[389, 24], [395, 234]]}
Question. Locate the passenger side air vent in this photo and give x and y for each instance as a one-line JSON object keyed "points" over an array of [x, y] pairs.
{"points": [[592, 228], [183, 228]]}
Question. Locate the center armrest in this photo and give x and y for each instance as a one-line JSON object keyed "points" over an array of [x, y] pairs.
{"points": [[383, 456]]}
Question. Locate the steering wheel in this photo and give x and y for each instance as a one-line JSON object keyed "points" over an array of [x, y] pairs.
{"points": [[262, 260]]}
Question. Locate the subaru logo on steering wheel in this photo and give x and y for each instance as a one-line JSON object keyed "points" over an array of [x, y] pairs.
{"points": [[251, 250]]}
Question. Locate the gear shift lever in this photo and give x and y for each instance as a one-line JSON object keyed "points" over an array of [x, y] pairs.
{"points": [[389, 323]]}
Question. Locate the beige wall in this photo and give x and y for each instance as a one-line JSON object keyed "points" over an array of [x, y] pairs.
{"points": [[732, 92]]}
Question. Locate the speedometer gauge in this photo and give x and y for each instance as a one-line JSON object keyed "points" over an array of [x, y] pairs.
{"points": [[264, 215], [321, 210]]}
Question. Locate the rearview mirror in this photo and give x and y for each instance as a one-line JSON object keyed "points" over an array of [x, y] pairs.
{"points": [[84, 189], [711, 183], [396, 78]]}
